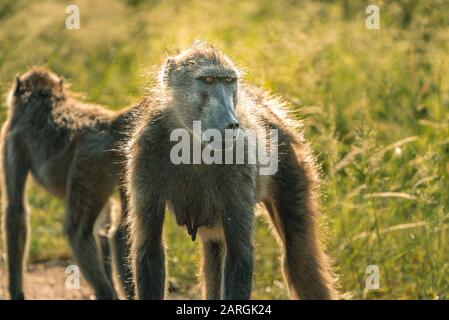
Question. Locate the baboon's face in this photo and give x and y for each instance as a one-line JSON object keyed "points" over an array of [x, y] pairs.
{"points": [[207, 90]]}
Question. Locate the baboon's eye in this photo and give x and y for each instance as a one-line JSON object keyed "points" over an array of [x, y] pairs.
{"points": [[207, 79], [229, 80]]}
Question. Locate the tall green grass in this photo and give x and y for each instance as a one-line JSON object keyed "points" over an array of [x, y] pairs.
{"points": [[374, 105]]}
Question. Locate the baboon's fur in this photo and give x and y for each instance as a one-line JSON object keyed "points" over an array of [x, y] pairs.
{"points": [[219, 200], [71, 150]]}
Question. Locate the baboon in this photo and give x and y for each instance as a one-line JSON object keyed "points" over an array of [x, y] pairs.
{"points": [[71, 149], [217, 200]]}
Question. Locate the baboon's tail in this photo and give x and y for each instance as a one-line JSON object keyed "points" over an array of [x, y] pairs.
{"points": [[293, 210]]}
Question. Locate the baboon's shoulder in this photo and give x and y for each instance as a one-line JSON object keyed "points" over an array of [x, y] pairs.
{"points": [[273, 112]]}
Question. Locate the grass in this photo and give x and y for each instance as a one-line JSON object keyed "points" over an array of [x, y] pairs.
{"points": [[374, 103]]}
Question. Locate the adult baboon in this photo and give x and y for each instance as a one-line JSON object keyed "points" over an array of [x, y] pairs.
{"points": [[71, 150], [217, 200]]}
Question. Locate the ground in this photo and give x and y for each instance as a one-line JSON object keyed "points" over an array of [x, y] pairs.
{"points": [[46, 281]]}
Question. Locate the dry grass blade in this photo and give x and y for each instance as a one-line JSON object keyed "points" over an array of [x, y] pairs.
{"points": [[398, 144], [402, 195]]}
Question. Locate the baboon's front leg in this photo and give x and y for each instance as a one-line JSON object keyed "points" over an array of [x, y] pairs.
{"points": [[120, 253], [14, 172], [238, 265], [121, 249], [212, 268], [101, 231], [105, 255], [148, 249]]}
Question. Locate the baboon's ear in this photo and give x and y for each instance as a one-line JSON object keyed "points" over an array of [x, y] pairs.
{"points": [[17, 85], [59, 86], [170, 66]]}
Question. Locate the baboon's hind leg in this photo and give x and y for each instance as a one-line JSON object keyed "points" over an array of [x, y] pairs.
{"points": [[85, 201], [212, 268], [292, 209]]}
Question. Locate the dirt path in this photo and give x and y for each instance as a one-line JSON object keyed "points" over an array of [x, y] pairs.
{"points": [[48, 281]]}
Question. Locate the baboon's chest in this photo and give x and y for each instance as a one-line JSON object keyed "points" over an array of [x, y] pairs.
{"points": [[195, 205], [196, 200], [199, 197], [195, 217]]}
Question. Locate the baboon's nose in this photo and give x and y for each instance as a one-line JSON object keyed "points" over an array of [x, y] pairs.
{"points": [[233, 126]]}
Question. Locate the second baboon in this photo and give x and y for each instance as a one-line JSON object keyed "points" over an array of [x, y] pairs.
{"points": [[217, 200], [71, 149]]}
